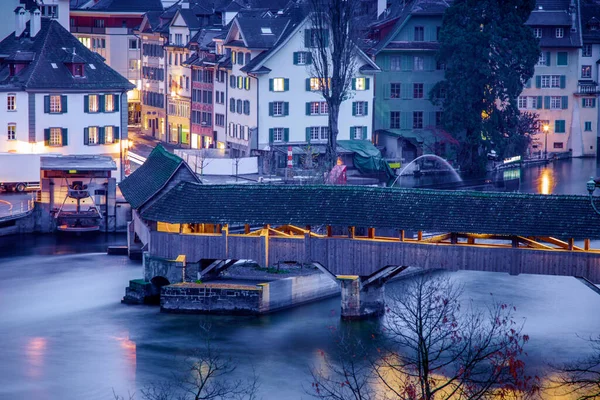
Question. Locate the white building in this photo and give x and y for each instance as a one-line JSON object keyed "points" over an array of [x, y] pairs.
{"points": [[56, 96], [273, 91], [56, 9]]}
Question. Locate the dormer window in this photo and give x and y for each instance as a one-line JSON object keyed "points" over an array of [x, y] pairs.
{"points": [[78, 70], [560, 32], [593, 24]]}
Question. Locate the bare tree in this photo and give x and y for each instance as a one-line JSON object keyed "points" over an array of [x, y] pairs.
{"points": [[345, 374], [580, 378], [436, 349], [333, 39]]}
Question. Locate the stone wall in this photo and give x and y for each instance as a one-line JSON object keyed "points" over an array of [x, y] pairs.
{"points": [[211, 298]]}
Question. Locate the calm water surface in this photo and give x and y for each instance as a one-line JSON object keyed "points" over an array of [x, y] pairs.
{"points": [[65, 335]]}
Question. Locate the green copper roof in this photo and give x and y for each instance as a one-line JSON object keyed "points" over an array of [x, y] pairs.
{"points": [[408, 209], [150, 177]]}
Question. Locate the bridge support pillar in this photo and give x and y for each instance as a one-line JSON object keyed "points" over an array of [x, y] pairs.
{"points": [[360, 301]]}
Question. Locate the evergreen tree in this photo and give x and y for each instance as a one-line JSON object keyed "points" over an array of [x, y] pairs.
{"points": [[489, 55]]}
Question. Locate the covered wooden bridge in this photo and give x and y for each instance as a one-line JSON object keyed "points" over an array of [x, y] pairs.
{"points": [[366, 232]]}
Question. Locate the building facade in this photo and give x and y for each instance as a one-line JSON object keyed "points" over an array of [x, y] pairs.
{"points": [[406, 122], [554, 92], [107, 28], [588, 89], [56, 96]]}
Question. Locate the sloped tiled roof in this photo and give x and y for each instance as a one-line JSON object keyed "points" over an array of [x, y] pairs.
{"points": [[150, 177], [408, 209], [252, 31], [551, 13], [140, 6], [53, 46], [590, 18]]}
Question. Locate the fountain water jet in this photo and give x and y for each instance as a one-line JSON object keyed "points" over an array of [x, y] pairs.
{"points": [[435, 157]]}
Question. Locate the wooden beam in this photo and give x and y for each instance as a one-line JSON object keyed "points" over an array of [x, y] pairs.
{"points": [[534, 244], [351, 232], [437, 238], [586, 244], [420, 235], [371, 233], [247, 229], [470, 240], [559, 243], [453, 238], [401, 233], [329, 231], [571, 243]]}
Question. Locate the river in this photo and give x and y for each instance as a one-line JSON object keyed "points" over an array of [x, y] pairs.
{"points": [[65, 335]]}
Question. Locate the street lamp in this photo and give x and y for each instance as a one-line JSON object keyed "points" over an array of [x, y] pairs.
{"points": [[592, 184], [546, 128]]}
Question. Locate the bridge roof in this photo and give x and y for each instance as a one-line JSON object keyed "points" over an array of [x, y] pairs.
{"points": [[408, 209]]}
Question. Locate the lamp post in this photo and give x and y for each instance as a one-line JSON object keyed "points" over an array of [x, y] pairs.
{"points": [[546, 128], [591, 185]]}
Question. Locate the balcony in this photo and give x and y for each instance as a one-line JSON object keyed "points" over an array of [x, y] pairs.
{"points": [[590, 88]]}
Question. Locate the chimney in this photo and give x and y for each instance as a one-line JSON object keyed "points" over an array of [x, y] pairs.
{"points": [[20, 21], [381, 7], [35, 23]]}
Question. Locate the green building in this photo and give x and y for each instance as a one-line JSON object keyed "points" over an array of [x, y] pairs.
{"points": [[406, 123]]}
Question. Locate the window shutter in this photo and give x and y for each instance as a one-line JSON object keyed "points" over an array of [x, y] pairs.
{"points": [[295, 58], [308, 57], [364, 133], [367, 83], [547, 102], [539, 102], [63, 104], [307, 38], [563, 81], [86, 136], [286, 108], [101, 103], [286, 84], [557, 126], [353, 83], [565, 102], [116, 102], [271, 85], [353, 108], [404, 123], [407, 92], [308, 84], [594, 103], [548, 59], [406, 63], [365, 108], [538, 82], [307, 108], [351, 133], [46, 136], [387, 91], [65, 137], [86, 103], [46, 104], [307, 134], [116, 133], [271, 135], [270, 109], [101, 135], [286, 134]]}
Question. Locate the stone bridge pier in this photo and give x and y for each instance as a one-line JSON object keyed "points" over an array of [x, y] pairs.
{"points": [[364, 296]]}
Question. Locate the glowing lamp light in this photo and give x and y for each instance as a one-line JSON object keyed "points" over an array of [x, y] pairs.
{"points": [[546, 128], [173, 94]]}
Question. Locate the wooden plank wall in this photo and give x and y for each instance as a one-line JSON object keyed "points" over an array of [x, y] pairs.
{"points": [[364, 257]]}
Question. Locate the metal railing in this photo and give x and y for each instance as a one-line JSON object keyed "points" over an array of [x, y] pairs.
{"points": [[588, 89], [15, 210]]}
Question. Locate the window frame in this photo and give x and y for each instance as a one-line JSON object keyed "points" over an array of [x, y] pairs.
{"points": [[96, 103], [588, 69], [418, 90], [417, 120], [11, 134], [399, 91], [538, 33], [278, 135], [560, 33], [419, 34], [107, 129], [52, 143], [395, 119], [55, 104], [278, 109], [279, 84], [11, 106], [586, 50]]}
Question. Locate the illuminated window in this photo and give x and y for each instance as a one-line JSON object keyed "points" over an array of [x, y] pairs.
{"points": [[11, 102], [55, 137], [55, 104], [12, 132], [317, 83], [586, 71], [93, 135], [94, 103], [109, 103], [109, 134], [361, 83], [278, 84]]}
